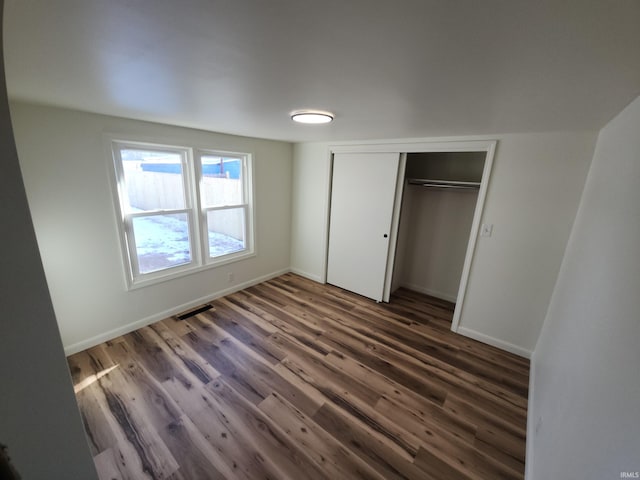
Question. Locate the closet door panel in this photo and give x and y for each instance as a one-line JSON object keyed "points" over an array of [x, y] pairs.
{"points": [[362, 199]]}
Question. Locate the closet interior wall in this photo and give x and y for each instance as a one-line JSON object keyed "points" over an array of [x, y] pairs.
{"points": [[435, 223]]}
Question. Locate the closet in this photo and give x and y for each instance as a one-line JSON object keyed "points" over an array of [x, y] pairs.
{"points": [[439, 199], [404, 217]]}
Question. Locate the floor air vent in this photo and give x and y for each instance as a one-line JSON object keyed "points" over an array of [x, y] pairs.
{"points": [[195, 311]]}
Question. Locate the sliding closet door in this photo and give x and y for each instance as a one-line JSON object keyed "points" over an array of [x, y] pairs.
{"points": [[362, 199]]}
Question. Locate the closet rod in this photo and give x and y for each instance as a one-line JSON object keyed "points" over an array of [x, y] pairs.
{"points": [[454, 187], [444, 184]]}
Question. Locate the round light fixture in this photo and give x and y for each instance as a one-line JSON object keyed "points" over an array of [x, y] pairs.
{"points": [[311, 116]]}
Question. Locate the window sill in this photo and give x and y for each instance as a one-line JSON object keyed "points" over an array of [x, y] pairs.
{"points": [[184, 271]]}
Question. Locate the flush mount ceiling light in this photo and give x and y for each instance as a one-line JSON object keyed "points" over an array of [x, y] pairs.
{"points": [[311, 116]]}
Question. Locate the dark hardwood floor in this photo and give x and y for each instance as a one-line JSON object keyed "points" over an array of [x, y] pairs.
{"points": [[290, 379]]}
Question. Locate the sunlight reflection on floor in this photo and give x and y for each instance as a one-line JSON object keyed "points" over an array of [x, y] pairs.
{"points": [[92, 379]]}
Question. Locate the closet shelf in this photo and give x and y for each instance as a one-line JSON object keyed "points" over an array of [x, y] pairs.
{"points": [[429, 183]]}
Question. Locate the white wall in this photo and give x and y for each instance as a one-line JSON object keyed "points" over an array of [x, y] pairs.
{"points": [[67, 170], [586, 366], [532, 199], [39, 418], [434, 234], [309, 219]]}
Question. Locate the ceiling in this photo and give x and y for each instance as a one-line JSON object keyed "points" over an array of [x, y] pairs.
{"points": [[387, 69]]}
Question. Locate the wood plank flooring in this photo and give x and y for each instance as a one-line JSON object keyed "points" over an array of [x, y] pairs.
{"points": [[295, 380]]}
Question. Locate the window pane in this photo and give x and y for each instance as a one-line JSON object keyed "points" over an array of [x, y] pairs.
{"points": [[162, 241], [221, 180], [226, 231], [153, 180]]}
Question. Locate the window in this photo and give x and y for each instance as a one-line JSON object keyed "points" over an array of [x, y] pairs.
{"points": [[224, 205], [181, 209]]}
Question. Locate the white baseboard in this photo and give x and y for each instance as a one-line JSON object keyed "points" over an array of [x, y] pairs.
{"points": [[310, 276], [433, 293], [531, 424], [501, 344], [130, 327]]}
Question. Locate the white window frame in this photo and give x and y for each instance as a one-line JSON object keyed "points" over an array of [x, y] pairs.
{"points": [[192, 177], [245, 205]]}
